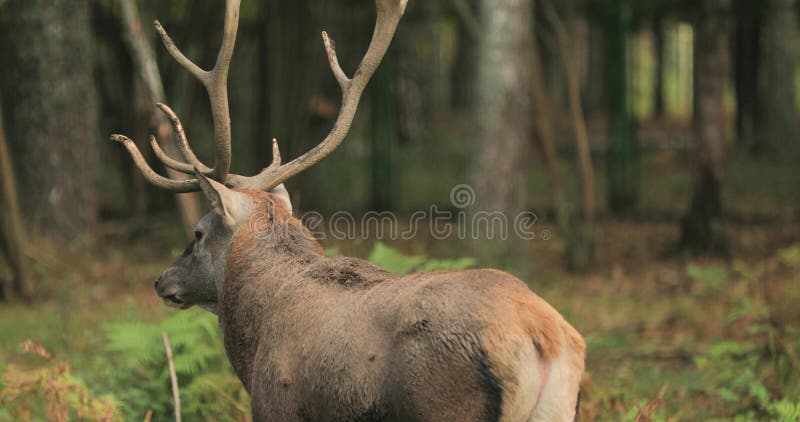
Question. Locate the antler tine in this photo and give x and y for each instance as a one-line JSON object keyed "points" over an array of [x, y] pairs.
{"points": [[244, 182], [183, 143], [388, 16], [216, 83], [217, 88], [178, 186], [172, 163], [338, 73]]}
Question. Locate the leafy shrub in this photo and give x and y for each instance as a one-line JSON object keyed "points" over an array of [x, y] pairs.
{"points": [[734, 369], [784, 411], [756, 372], [399, 263], [50, 392], [712, 276], [209, 389]]}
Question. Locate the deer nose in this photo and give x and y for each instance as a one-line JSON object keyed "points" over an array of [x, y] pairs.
{"points": [[157, 284]]}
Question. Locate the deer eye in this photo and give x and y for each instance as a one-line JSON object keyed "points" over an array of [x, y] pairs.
{"points": [[198, 235]]}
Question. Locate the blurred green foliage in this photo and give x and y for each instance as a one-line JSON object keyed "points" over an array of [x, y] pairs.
{"points": [[133, 363], [209, 389], [399, 263]]}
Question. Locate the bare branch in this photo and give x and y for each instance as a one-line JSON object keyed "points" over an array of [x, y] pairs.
{"points": [[13, 229], [176, 398]]}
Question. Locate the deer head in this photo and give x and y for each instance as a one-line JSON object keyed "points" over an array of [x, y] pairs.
{"points": [[195, 276]]}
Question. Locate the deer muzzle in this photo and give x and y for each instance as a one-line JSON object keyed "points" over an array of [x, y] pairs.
{"points": [[169, 291]]}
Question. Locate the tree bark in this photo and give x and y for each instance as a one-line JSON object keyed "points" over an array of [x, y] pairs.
{"points": [[580, 245], [545, 137], [384, 127], [623, 160], [779, 122], [747, 37], [658, 66], [291, 51], [463, 74], [702, 229], [596, 89], [51, 115], [503, 115], [504, 112], [14, 239]]}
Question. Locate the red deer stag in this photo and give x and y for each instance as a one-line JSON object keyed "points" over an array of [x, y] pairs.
{"points": [[338, 339]]}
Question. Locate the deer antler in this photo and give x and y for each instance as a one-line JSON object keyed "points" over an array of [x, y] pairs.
{"points": [[183, 147], [389, 14], [215, 81]]}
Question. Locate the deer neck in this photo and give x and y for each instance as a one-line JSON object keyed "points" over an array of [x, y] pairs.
{"points": [[259, 269]]}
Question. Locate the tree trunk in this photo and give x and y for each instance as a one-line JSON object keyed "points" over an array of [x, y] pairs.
{"points": [[545, 137], [747, 58], [295, 63], [382, 112], [504, 116], [658, 66], [463, 75], [623, 161], [580, 242], [502, 111], [14, 240], [779, 122], [50, 109], [702, 229], [596, 89]]}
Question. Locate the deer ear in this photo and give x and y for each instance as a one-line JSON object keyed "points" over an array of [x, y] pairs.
{"points": [[282, 194], [223, 201]]}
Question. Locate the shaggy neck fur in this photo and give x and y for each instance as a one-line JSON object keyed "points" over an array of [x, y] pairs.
{"points": [[265, 257]]}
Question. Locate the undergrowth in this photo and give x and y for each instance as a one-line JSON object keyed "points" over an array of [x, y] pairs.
{"points": [[695, 341], [134, 376]]}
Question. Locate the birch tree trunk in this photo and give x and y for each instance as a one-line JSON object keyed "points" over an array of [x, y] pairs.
{"points": [[503, 108], [502, 112]]}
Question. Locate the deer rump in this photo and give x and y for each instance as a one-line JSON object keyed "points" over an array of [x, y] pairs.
{"points": [[339, 339]]}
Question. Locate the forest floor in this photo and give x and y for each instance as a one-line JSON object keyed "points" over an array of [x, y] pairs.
{"points": [[668, 336]]}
